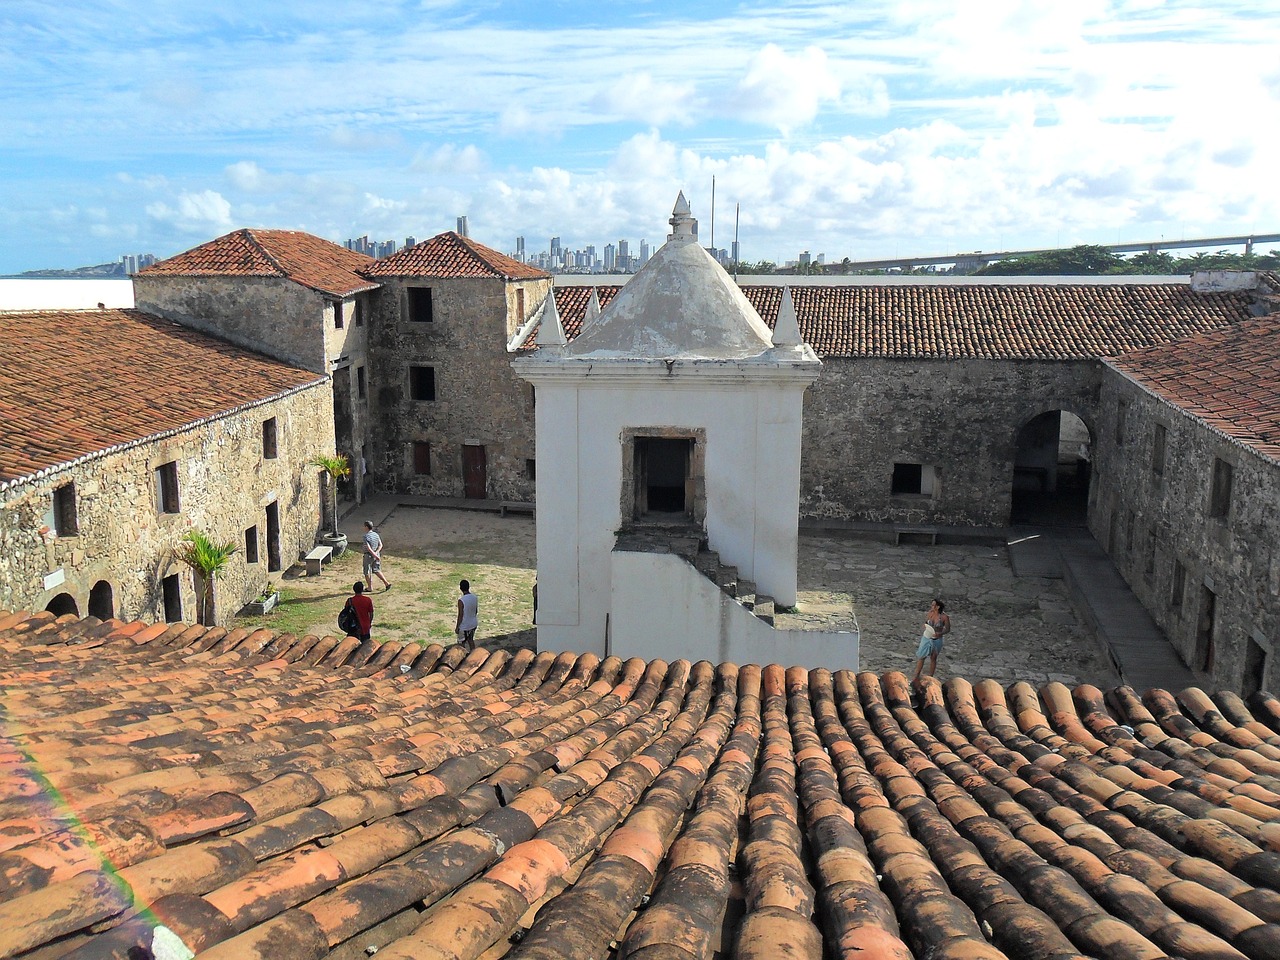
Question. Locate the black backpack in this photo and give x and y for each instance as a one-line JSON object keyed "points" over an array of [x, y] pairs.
{"points": [[348, 622]]}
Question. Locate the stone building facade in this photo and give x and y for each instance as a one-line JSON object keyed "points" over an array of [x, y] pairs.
{"points": [[181, 432], [286, 294], [1187, 495], [450, 417]]}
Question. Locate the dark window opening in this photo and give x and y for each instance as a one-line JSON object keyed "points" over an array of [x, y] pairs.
{"points": [[1122, 410], [422, 458], [102, 601], [167, 487], [65, 521], [531, 469], [269, 439], [1220, 495], [1255, 668], [359, 311], [420, 305], [251, 545], [1205, 630], [274, 560], [171, 587], [907, 478], [662, 476], [1130, 521], [1158, 441], [520, 305], [361, 386], [422, 383], [1149, 570], [337, 314], [63, 604], [1179, 585]]}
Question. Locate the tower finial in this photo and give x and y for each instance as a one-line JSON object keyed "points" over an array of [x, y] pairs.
{"points": [[684, 228]]}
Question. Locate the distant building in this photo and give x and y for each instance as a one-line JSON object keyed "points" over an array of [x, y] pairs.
{"points": [[462, 227]]}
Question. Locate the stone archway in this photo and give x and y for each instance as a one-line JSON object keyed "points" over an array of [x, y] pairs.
{"points": [[1051, 470], [62, 604], [102, 602]]}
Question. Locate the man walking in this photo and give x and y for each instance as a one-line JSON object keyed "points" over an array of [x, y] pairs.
{"points": [[363, 607], [468, 616], [373, 556]]}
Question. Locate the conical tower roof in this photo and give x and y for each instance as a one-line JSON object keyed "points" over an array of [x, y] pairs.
{"points": [[680, 304]]}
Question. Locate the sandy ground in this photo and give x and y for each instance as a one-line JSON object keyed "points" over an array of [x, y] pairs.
{"points": [[1004, 626]]}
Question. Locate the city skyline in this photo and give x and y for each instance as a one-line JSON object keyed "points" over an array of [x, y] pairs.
{"points": [[862, 130]]}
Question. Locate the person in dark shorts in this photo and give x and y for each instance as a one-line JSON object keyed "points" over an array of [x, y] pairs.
{"points": [[363, 606]]}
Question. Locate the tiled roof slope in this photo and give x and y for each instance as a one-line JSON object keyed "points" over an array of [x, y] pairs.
{"points": [[264, 796], [986, 321], [450, 255], [1230, 379], [76, 382], [291, 254]]}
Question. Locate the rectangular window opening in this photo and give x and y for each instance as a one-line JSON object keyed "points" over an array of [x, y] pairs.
{"points": [[171, 590], [361, 385], [663, 477], [251, 545], [1122, 411], [1220, 494], [167, 487], [359, 311], [1205, 627], [269, 451], [420, 310], [422, 458], [422, 383], [1158, 441], [1179, 586], [66, 523], [338, 318], [531, 469], [914, 479]]}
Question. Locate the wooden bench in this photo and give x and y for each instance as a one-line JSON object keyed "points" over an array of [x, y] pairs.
{"points": [[316, 559], [514, 506], [925, 533]]}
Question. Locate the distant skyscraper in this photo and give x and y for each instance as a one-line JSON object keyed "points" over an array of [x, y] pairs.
{"points": [[410, 242], [520, 249], [555, 248], [462, 227], [733, 253], [804, 258], [645, 252], [610, 258]]}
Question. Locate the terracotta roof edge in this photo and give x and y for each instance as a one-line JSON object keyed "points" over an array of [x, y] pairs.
{"points": [[15, 482]]}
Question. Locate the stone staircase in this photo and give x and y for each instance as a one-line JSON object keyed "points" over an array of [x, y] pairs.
{"points": [[691, 545]]}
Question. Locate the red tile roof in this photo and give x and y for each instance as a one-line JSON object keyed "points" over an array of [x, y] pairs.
{"points": [[1230, 379], [996, 321], [264, 796], [75, 382], [291, 254], [450, 255]]}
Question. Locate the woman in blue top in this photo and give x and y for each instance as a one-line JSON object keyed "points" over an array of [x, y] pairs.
{"points": [[936, 625]]}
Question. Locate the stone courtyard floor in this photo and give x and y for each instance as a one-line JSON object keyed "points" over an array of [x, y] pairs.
{"points": [[1004, 627]]}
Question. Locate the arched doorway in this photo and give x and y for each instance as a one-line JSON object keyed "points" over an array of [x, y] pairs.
{"points": [[63, 603], [102, 602], [1051, 470]]}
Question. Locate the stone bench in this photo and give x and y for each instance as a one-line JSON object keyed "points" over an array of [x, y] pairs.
{"points": [[912, 531], [316, 559], [514, 506]]}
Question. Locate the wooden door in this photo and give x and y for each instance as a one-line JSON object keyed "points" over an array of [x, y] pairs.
{"points": [[474, 475]]}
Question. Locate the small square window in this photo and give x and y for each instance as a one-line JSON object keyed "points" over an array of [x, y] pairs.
{"points": [[167, 488], [361, 386], [422, 383], [1220, 494], [422, 458], [269, 439], [420, 310], [337, 314], [65, 521], [1159, 438], [251, 545], [913, 479]]}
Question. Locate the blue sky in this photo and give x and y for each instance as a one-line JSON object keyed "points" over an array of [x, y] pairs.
{"points": [[851, 129]]}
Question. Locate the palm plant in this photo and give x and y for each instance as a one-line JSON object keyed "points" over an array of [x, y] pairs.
{"points": [[208, 560], [336, 466]]}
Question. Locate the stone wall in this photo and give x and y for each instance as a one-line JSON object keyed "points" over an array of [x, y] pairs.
{"points": [[962, 416], [478, 402], [122, 538], [1155, 523]]}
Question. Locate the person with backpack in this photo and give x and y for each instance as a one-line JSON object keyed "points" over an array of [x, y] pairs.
{"points": [[356, 619]]}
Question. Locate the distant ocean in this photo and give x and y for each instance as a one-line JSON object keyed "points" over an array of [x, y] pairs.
{"points": [[64, 294]]}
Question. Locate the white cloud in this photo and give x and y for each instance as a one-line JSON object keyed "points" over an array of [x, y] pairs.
{"points": [[640, 97], [194, 212], [785, 91]]}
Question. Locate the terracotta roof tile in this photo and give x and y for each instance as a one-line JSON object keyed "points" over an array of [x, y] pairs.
{"points": [[1229, 379], [77, 382], [553, 805], [450, 255], [991, 321], [289, 254]]}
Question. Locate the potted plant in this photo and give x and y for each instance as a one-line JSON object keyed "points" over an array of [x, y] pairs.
{"points": [[208, 561], [335, 467], [265, 602]]}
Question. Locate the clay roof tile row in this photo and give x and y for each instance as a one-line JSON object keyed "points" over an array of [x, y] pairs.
{"points": [[451, 255], [259, 795]]}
